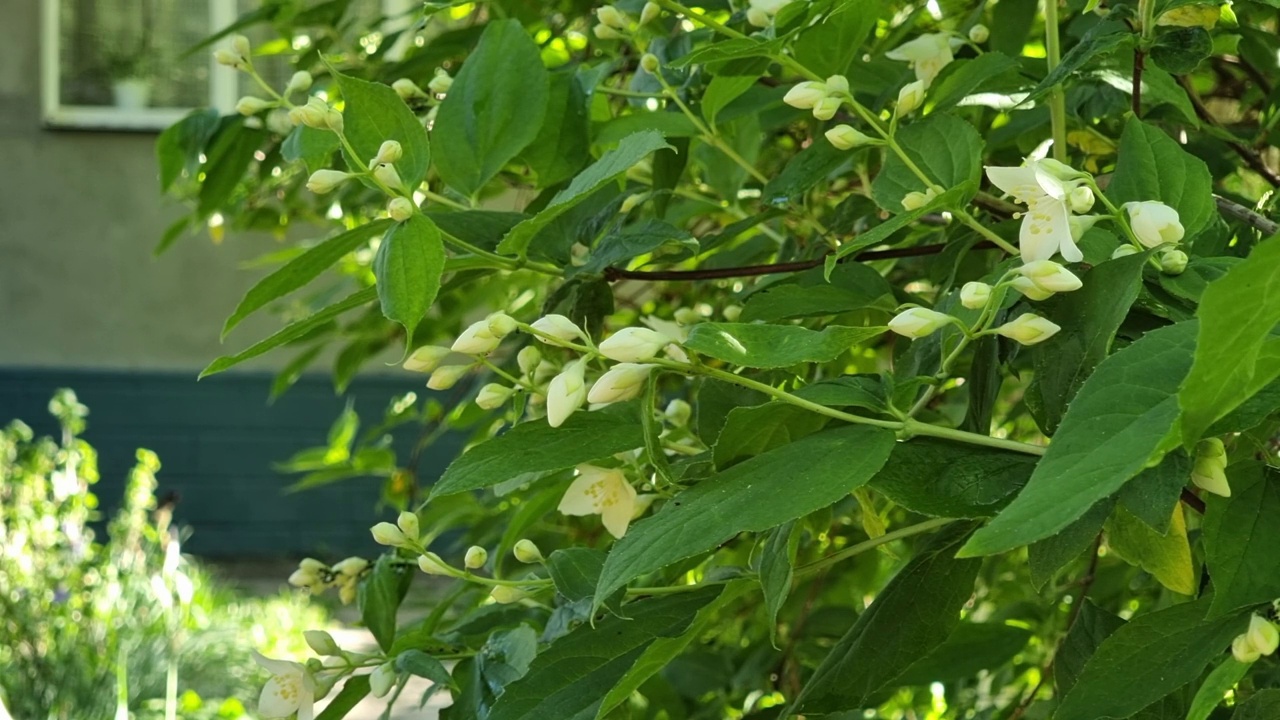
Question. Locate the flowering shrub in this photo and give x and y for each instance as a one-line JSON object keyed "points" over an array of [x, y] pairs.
{"points": [[848, 356]]}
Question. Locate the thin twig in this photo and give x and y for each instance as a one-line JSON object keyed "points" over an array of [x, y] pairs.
{"points": [[1192, 501], [1250, 156], [614, 274], [1264, 225], [1139, 64]]}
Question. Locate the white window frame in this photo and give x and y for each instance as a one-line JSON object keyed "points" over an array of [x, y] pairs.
{"points": [[56, 114]]}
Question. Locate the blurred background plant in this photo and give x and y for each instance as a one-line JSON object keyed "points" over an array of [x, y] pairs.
{"points": [[126, 626]]}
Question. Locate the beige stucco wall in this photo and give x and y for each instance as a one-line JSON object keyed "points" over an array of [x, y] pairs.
{"points": [[80, 213]]}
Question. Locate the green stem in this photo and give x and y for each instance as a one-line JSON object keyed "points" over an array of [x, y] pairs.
{"points": [[1057, 99], [507, 376], [852, 550], [442, 200], [709, 135], [627, 93], [963, 216]]}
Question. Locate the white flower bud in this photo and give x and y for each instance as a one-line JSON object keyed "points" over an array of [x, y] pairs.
{"points": [[324, 181], [604, 32], [312, 114], [1028, 288], [1263, 636], [1243, 650], [1050, 276], [1173, 262], [678, 412], [446, 376], [493, 396], [910, 97], [382, 679], [979, 33], [732, 312], [431, 564], [312, 565], [612, 16], [229, 59], [916, 323], [351, 567], [400, 209], [915, 199], [386, 174], [278, 122], [650, 13], [838, 84], [528, 359], [1081, 199], [527, 552], [501, 324], [622, 382], [1209, 472], [321, 642], [477, 340], [1028, 329], [975, 295], [1124, 251], [505, 594], [441, 82], [634, 344], [687, 316], [650, 63], [304, 579], [388, 152], [476, 557], [384, 533], [249, 105], [846, 137], [566, 393], [240, 46], [407, 89], [557, 327], [805, 95], [300, 82], [408, 524], [1154, 223], [347, 593], [426, 358], [826, 108], [758, 17], [333, 120]]}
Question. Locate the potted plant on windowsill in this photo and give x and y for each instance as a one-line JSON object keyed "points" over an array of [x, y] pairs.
{"points": [[131, 78]]}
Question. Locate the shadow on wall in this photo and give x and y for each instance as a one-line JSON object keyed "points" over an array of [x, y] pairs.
{"points": [[217, 440]]}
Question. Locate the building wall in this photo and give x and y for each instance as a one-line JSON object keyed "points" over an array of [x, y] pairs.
{"points": [[83, 304]]}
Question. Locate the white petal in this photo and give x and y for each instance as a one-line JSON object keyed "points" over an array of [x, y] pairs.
{"points": [[277, 667], [281, 696], [1050, 184], [619, 508], [584, 494], [1019, 182]]}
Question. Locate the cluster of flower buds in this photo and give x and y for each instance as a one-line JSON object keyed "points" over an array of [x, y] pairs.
{"points": [[761, 12], [239, 56], [823, 98], [1210, 470], [1260, 639], [614, 24], [317, 114], [403, 534], [315, 577]]}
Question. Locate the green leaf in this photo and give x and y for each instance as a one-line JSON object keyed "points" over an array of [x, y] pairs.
{"points": [[353, 691], [1216, 686], [1151, 656], [1241, 537], [227, 158], [753, 496], [1152, 166], [914, 614], [803, 171], [947, 149], [570, 678], [373, 114], [563, 144], [732, 80], [1153, 494], [972, 648], [408, 266], [1235, 354], [1166, 557], [880, 233], [575, 571], [730, 50], [1046, 557], [830, 46], [671, 124], [777, 562], [1180, 50], [494, 108], [963, 480], [1101, 39], [379, 597], [1093, 625], [1089, 319], [663, 650], [1264, 705], [178, 148], [302, 269], [1120, 420], [769, 346], [630, 151], [314, 147], [535, 447], [864, 391], [294, 331], [750, 431], [970, 76], [416, 662], [616, 248]]}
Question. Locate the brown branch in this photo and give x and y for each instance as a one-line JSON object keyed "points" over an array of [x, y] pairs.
{"points": [[1192, 501], [1139, 64], [1263, 224], [1250, 156], [613, 274]]}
